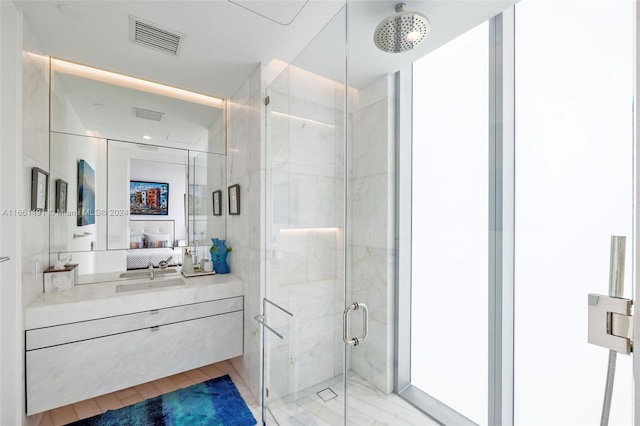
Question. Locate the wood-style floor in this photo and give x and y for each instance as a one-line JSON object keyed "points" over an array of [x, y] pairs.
{"points": [[91, 407]]}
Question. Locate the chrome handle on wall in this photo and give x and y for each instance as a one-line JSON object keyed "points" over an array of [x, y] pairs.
{"points": [[4, 258], [345, 324]]}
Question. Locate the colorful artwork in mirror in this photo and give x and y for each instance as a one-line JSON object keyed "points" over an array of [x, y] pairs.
{"points": [[148, 198]]}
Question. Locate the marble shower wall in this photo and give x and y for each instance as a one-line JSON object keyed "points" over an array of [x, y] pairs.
{"points": [[244, 233], [372, 231], [304, 230]]}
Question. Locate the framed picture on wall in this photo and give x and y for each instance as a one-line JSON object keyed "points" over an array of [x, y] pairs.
{"points": [[217, 203], [234, 199], [86, 194], [39, 189], [148, 198], [61, 196]]}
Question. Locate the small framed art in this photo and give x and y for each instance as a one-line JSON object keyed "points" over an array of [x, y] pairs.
{"points": [[217, 203], [39, 189], [61, 196], [234, 199]]}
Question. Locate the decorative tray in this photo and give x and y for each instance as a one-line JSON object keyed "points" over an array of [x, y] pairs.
{"points": [[197, 273]]}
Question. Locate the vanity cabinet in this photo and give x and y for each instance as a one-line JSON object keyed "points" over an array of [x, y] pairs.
{"points": [[72, 362]]}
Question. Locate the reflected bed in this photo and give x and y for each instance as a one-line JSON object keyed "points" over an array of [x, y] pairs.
{"points": [[151, 241]]}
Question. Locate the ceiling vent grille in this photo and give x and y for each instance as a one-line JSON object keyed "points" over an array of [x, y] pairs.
{"points": [[151, 35], [147, 114]]}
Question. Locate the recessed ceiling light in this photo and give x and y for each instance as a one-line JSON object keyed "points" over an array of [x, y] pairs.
{"points": [[147, 137]]}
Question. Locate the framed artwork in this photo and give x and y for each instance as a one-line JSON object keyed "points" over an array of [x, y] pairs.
{"points": [[61, 196], [86, 194], [234, 199], [148, 198], [217, 203], [39, 189]]}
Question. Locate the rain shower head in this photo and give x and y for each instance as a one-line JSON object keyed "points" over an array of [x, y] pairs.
{"points": [[402, 31]]}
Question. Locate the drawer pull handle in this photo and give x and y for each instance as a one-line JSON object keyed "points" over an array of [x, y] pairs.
{"points": [[156, 328], [155, 311]]}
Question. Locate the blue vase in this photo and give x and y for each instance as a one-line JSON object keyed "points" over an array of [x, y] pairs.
{"points": [[219, 254]]}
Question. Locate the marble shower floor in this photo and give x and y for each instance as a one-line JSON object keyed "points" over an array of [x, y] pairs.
{"points": [[367, 406]]}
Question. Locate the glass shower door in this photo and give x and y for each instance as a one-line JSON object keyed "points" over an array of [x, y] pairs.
{"points": [[305, 222]]}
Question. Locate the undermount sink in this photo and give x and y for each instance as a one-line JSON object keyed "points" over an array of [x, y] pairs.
{"points": [[142, 273], [147, 285]]}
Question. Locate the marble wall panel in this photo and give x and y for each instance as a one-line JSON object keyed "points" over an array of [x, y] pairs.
{"points": [[35, 153], [244, 232], [371, 234]]}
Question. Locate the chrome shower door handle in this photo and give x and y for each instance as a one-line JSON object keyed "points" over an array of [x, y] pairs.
{"points": [[345, 324]]}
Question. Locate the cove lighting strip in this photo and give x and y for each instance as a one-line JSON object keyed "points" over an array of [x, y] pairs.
{"points": [[295, 117], [134, 83]]}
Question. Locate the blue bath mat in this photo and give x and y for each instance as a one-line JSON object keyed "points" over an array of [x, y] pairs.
{"points": [[215, 402]]}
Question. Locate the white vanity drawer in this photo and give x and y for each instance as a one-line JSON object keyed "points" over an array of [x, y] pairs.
{"points": [[64, 374], [85, 330]]}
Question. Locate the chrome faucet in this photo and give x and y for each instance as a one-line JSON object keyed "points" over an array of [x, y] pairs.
{"points": [[150, 266]]}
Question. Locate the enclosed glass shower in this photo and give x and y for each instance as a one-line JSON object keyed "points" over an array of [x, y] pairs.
{"points": [[330, 309], [329, 185]]}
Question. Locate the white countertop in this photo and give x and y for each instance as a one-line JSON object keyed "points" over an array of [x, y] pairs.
{"points": [[92, 301]]}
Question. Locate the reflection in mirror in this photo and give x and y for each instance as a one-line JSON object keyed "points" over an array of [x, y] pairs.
{"points": [[131, 162], [85, 100], [127, 130], [206, 175], [71, 160]]}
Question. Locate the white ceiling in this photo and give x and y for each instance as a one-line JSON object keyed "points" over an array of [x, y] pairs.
{"points": [[225, 40]]}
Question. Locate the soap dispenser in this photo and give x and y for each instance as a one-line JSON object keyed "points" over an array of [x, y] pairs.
{"points": [[187, 263]]}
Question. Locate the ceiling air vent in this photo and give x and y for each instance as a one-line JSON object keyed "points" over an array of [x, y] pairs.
{"points": [[147, 114], [151, 35]]}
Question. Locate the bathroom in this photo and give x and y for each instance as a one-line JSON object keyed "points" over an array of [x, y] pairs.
{"points": [[320, 222]]}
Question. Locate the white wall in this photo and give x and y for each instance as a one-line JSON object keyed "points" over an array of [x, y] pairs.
{"points": [[11, 176], [35, 149]]}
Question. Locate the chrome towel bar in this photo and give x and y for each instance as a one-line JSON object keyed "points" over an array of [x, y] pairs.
{"points": [[262, 318]]}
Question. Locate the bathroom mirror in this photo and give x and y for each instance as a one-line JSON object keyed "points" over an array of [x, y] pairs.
{"points": [[206, 176], [81, 162], [149, 162]]}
